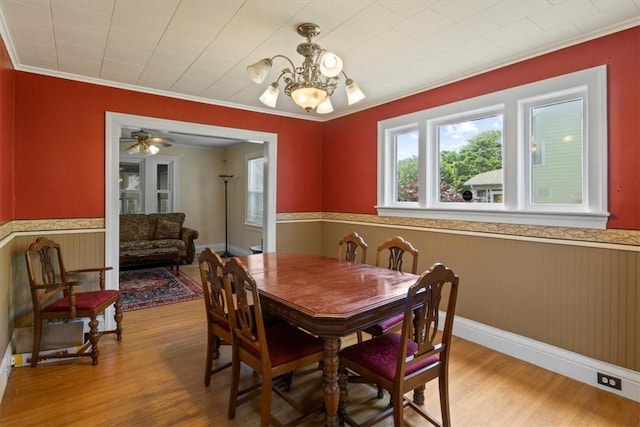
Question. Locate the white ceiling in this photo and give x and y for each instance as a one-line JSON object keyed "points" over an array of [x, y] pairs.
{"points": [[199, 49]]}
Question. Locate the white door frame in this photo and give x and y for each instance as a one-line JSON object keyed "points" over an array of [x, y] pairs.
{"points": [[114, 124]]}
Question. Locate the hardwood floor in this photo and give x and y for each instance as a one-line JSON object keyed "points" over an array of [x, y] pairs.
{"points": [[154, 377]]}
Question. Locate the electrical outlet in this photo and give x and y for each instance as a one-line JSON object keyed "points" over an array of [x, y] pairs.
{"points": [[609, 381]]}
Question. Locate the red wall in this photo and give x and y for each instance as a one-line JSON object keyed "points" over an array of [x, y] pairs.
{"points": [[350, 142], [6, 135], [59, 136], [59, 149]]}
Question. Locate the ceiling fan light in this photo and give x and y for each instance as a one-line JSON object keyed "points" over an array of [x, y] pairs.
{"points": [[308, 97], [354, 94], [134, 149], [270, 95], [152, 149], [330, 64], [258, 71], [325, 106]]}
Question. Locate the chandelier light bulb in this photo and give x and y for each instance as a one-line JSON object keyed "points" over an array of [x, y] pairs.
{"points": [[330, 64], [258, 71], [308, 97], [270, 95], [354, 94], [325, 106]]}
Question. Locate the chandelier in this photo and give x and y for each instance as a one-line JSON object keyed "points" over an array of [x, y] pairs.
{"points": [[311, 84]]}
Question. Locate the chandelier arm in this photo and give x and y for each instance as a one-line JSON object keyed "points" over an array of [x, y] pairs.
{"points": [[293, 67]]}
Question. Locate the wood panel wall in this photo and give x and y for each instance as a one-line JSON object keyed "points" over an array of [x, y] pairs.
{"points": [[79, 250], [582, 299]]}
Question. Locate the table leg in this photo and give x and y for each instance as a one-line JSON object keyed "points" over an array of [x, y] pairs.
{"points": [[330, 380]]}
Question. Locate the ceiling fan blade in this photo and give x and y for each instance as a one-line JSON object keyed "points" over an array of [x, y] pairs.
{"points": [[128, 140]]}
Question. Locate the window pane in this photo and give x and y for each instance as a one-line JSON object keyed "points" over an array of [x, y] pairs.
{"points": [[255, 188], [130, 188], [471, 160], [556, 153], [163, 203], [407, 166], [163, 177]]}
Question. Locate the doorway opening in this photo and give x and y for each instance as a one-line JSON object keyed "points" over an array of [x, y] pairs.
{"points": [[116, 122]]}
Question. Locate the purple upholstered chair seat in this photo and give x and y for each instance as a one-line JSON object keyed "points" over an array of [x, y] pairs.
{"points": [[84, 301], [287, 343], [381, 327], [380, 355]]}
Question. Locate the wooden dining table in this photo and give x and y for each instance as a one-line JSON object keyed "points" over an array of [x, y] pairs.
{"points": [[328, 298]]}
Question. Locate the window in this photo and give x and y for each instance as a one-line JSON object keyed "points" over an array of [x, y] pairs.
{"points": [[147, 184], [534, 154], [255, 188], [470, 159], [130, 180]]}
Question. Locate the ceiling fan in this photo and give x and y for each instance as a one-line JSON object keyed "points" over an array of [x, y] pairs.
{"points": [[145, 143]]}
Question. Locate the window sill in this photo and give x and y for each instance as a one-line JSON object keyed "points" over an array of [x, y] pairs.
{"points": [[552, 219]]}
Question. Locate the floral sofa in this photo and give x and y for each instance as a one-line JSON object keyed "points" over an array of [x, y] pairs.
{"points": [[155, 231]]}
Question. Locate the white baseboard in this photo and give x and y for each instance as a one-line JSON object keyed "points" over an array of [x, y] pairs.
{"points": [[5, 370], [555, 359]]}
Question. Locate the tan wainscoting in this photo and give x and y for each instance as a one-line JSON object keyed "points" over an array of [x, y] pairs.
{"points": [[81, 250], [581, 298]]}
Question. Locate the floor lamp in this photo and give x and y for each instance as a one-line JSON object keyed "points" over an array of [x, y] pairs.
{"points": [[226, 253]]}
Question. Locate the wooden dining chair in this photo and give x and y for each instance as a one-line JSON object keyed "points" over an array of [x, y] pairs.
{"points": [[54, 297], [396, 247], [217, 310], [215, 302], [270, 352], [403, 362], [350, 244]]}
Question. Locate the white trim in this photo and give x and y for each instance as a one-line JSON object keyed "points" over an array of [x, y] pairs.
{"points": [[555, 359], [114, 122], [5, 368], [553, 219]]}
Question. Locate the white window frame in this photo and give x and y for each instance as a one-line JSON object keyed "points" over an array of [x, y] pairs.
{"points": [[247, 221], [515, 209], [148, 179]]}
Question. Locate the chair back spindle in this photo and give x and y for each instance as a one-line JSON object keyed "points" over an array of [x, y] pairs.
{"points": [[397, 247], [211, 266], [351, 243]]}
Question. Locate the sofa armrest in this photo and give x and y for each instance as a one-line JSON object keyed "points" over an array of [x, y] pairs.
{"points": [[188, 235]]}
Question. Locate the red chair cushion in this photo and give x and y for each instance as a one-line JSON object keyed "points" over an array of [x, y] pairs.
{"points": [[287, 343], [380, 327], [84, 301], [380, 355]]}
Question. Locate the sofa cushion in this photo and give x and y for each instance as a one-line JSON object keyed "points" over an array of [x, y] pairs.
{"points": [[136, 227], [169, 216], [169, 243], [132, 245], [166, 229]]}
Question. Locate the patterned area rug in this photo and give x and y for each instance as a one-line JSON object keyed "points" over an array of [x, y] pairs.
{"points": [[150, 287]]}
